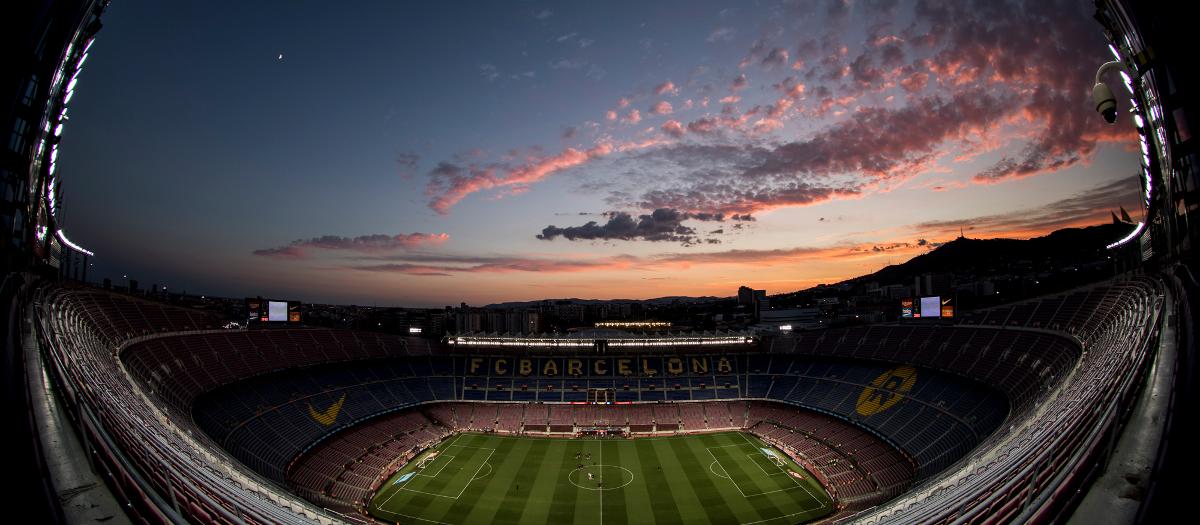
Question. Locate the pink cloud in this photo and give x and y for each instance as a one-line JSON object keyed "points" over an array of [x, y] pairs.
{"points": [[661, 107], [450, 184], [673, 128], [666, 88]]}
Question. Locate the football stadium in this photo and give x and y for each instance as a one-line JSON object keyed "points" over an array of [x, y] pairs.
{"points": [[981, 381]]}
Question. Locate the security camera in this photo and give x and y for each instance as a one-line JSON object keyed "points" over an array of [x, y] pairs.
{"points": [[1102, 96], [1105, 102]]}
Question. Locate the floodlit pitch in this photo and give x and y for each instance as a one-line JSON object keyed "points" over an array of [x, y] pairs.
{"points": [[724, 478]]}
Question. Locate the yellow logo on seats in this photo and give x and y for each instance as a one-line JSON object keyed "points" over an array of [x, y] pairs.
{"points": [[886, 390], [329, 415]]}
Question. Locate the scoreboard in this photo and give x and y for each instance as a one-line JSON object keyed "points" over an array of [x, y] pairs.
{"points": [[930, 306], [269, 312]]}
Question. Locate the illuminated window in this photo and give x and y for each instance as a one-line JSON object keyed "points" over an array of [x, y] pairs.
{"points": [[17, 142], [30, 90]]}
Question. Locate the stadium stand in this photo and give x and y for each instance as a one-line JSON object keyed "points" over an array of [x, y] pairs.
{"points": [[164, 396]]}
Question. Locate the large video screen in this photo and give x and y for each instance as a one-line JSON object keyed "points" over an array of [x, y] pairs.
{"points": [[931, 306], [277, 311], [263, 312]]}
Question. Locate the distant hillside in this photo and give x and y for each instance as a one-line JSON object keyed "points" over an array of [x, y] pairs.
{"points": [[964, 256], [674, 299], [985, 255]]}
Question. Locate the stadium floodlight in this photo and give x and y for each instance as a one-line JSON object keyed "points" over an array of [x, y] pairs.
{"points": [[1136, 230], [62, 237]]}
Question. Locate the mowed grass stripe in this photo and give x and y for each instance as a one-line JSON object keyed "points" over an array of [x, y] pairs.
{"points": [[701, 483], [428, 497], [672, 483], [659, 484], [689, 506], [504, 485], [587, 502], [614, 500], [540, 494], [725, 504], [468, 459], [562, 502], [794, 498], [748, 476], [639, 504]]}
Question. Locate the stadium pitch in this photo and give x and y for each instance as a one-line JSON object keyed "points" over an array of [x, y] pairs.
{"points": [[725, 478]]}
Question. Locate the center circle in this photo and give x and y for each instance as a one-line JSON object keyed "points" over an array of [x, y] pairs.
{"points": [[611, 477]]}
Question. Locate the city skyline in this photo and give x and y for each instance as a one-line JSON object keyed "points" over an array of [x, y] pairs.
{"points": [[432, 155]]}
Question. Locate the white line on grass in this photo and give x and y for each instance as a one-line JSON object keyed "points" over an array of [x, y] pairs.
{"points": [[715, 464], [413, 517], [754, 456], [735, 483], [794, 480], [435, 474], [485, 462], [730, 477], [398, 489]]}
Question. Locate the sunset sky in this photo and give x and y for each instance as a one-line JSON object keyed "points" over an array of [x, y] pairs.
{"points": [[429, 154]]}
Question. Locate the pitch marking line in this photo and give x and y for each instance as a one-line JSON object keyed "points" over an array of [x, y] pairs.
{"points": [[754, 459], [439, 471], [489, 472], [485, 462], [715, 464], [794, 480], [735, 483], [412, 517]]}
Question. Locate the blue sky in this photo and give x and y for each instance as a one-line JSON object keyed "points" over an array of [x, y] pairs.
{"points": [[427, 154]]}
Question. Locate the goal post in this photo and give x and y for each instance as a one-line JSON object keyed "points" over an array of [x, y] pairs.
{"points": [[426, 460], [775, 457]]}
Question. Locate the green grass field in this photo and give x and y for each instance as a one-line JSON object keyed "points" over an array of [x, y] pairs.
{"points": [[724, 478]]}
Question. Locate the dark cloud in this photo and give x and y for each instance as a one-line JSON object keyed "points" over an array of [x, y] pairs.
{"points": [[777, 57], [661, 225], [738, 83], [1087, 207], [703, 126], [975, 45], [887, 142], [406, 163], [300, 248]]}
